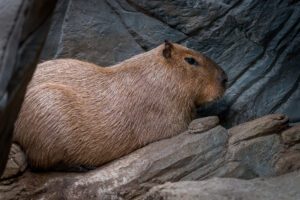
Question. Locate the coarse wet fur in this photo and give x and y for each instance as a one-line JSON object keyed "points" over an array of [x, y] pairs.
{"points": [[79, 114]]}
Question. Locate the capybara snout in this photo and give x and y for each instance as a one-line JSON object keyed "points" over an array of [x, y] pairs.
{"points": [[206, 79]]}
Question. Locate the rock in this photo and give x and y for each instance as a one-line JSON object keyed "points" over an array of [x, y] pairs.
{"points": [[94, 27], [296, 147], [147, 31], [288, 161], [258, 49], [262, 126], [257, 154], [203, 124], [16, 163], [107, 32], [257, 145], [284, 187], [24, 26], [169, 159], [186, 157], [291, 135], [235, 169]]}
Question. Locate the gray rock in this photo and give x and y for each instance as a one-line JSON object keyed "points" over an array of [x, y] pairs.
{"points": [[186, 157], [146, 31], [265, 125], [291, 135], [256, 42], [203, 124], [16, 163], [166, 160], [284, 187], [24, 26], [91, 31]]}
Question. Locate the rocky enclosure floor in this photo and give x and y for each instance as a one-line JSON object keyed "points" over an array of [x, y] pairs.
{"points": [[266, 147]]}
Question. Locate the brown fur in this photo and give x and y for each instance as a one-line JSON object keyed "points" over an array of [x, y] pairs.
{"points": [[77, 113]]}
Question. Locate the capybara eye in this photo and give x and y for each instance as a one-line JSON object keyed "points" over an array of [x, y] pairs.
{"points": [[191, 61]]}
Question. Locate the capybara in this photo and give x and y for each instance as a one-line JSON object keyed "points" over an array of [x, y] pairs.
{"points": [[79, 114]]}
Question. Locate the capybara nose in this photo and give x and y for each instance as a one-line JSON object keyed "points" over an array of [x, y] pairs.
{"points": [[223, 78]]}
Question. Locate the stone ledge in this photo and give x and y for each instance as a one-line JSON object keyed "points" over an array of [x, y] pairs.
{"points": [[186, 157]]}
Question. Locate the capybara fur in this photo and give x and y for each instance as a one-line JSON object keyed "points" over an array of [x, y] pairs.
{"points": [[79, 114]]}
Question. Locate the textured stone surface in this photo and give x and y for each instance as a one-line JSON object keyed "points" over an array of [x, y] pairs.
{"points": [[256, 42], [187, 157], [284, 187], [265, 125], [24, 26], [291, 135], [203, 124], [16, 163]]}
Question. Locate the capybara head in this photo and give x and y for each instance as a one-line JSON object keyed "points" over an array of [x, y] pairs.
{"points": [[206, 80]]}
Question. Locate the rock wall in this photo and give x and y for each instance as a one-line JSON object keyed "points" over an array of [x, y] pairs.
{"points": [[256, 42], [24, 26]]}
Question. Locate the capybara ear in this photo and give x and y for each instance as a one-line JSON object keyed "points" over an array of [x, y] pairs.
{"points": [[167, 49]]}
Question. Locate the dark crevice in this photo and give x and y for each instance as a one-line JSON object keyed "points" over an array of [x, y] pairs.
{"points": [[17, 76], [10, 33], [296, 34], [45, 17], [7, 42]]}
